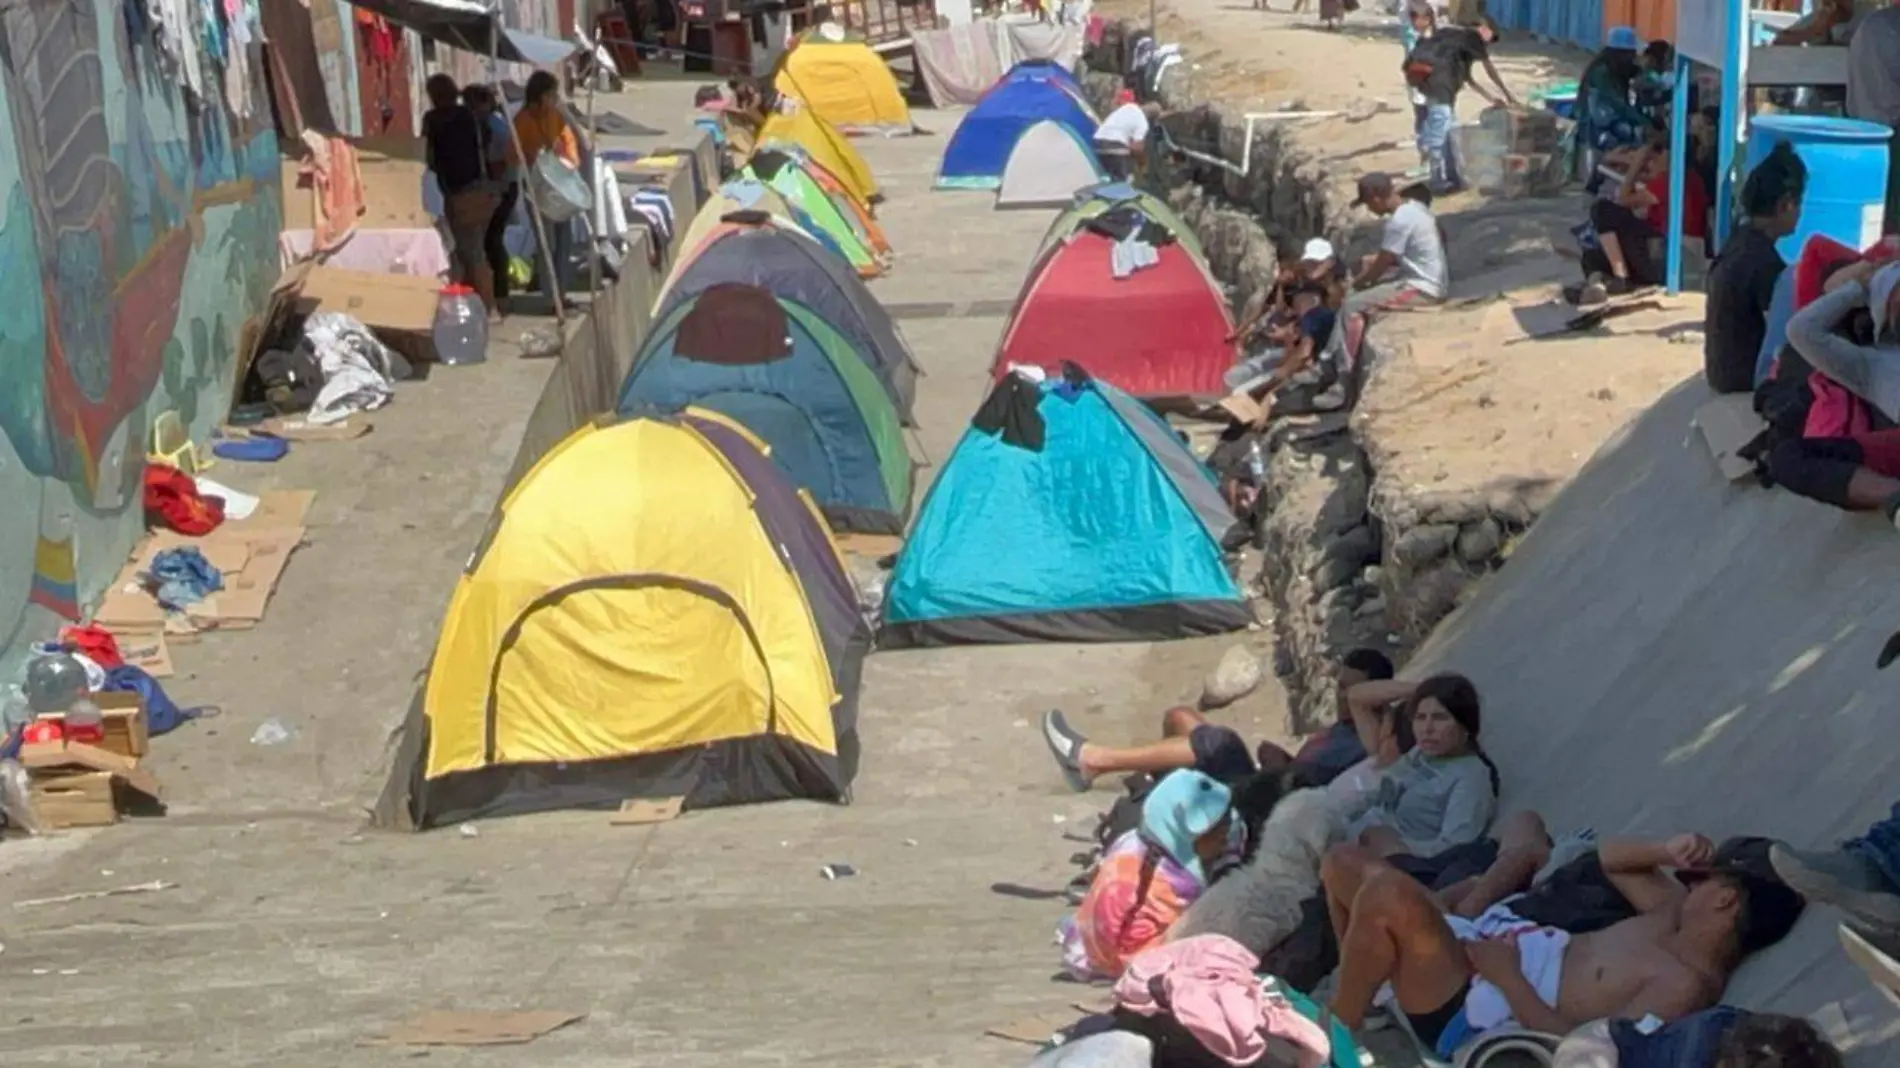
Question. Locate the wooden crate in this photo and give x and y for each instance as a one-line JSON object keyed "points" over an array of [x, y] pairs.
{"points": [[65, 798], [127, 732]]}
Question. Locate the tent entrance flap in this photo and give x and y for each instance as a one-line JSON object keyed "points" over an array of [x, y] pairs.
{"points": [[584, 668]]}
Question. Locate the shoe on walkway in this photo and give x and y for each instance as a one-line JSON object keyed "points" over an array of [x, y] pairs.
{"points": [[1843, 879], [1594, 291], [1066, 746]]}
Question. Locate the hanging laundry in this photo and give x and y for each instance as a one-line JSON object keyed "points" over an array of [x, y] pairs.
{"points": [[1131, 254], [177, 40], [182, 577], [172, 499]]}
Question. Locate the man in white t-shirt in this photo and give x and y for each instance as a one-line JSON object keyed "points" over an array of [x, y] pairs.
{"points": [[1409, 269], [1121, 141]]}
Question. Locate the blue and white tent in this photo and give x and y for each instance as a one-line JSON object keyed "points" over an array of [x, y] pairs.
{"points": [[979, 149], [1068, 512]]}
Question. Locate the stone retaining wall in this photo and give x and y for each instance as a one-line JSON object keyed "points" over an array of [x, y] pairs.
{"points": [[1349, 560]]}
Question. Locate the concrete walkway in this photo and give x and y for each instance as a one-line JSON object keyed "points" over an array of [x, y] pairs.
{"points": [[292, 934]]}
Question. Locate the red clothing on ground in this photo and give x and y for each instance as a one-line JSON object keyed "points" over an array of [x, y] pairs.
{"points": [[1880, 451]]}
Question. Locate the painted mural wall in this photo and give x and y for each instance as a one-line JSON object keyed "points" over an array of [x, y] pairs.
{"points": [[138, 233]]}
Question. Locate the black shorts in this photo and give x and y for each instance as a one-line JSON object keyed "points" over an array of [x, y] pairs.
{"points": [[1220, 753], [1429, 1027]]}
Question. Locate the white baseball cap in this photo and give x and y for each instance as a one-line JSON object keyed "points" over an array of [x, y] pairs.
{"points": [[1317, 250]]}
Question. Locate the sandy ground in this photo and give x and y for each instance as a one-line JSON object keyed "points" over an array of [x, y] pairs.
{"points": [[1472, 405], [292, 934]]}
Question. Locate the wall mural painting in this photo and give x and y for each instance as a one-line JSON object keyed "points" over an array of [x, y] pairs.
{"points": [[138, 232]]}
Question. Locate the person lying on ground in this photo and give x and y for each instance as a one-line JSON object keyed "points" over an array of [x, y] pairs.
{"points": [[1150, 875], [1861, 878], [1861, 471], [1444, 792], [1628, 227], [1409, 269], [1741, 282], [1189, 740], [1672, 959], [1721, 1037]]}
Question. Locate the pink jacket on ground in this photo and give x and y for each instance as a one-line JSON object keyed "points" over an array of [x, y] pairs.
{"points": [[1207, 984]]}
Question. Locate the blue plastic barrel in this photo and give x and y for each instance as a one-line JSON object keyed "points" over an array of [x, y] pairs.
{"points": [[1847, 175]]}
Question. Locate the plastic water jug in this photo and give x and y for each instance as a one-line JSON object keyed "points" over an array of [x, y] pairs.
{"points": [[461, 326], [85, 722], [54, 679]]}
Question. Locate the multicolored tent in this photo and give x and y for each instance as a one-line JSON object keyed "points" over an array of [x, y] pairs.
{"points": [[749, 199], [784, 175], [828, 145], [1049, 163], [1068, 512], [795, 380], [1162, 331], [782, 260], [979, 149], [845, 83], [656, 612], [854, 210]]}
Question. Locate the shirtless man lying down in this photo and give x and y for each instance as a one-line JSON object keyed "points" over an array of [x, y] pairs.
{"points": [[1673, 958]]}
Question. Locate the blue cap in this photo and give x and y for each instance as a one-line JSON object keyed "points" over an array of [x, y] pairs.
{"points": [[1624, 37]]}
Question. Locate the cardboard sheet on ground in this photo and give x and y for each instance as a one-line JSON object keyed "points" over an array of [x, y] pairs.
{"points": [[1522, 317], [251, 553], [458, 1028], [1033, 1030], [640, 811], [1728, 423]]}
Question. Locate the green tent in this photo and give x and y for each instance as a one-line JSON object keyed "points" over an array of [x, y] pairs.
{"points": [[1092, 202], [789, 180]]}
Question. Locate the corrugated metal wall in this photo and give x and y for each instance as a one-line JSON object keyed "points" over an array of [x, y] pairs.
{"points": [[1576, 22]]}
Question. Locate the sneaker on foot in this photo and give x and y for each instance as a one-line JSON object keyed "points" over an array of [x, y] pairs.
{"points": [[1615, 286], [1066, 746], [1843, 879], [1892, 510], [1592, 292]]}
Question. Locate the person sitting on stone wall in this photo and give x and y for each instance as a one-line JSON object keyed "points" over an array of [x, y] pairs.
{"points": [[1454, 982], [1189, 740], [1409, 269]]}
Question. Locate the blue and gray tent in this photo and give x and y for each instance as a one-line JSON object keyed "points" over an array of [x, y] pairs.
{"points": [[1068, 512]]}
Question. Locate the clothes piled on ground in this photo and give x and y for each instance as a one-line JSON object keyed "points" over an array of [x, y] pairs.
{"points": [[181, 577], [359, 372], [172, 499]]}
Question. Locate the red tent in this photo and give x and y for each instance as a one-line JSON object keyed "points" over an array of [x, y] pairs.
{"points": [[1160, 332]]}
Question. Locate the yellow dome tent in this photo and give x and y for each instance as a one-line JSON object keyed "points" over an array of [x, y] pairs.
{"points": [[845, 83], [656, 612], [825, 144]]}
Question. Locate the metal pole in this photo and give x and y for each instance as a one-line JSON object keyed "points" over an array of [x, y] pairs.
{"points": [[1734, 116], [1678, 167]]}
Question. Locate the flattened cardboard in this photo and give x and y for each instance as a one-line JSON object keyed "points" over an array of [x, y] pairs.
{"points": [[639, 811], [276, 510], [1728, 423], [297, 429], [476, 1028], [148, 651]]}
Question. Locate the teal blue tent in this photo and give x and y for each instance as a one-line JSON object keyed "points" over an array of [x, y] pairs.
{"points": [[1068, 512]]}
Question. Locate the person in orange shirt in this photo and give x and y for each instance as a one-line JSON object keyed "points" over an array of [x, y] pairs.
{"points": [[540, 127]]}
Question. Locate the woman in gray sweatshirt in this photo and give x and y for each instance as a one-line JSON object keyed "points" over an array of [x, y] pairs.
{"points": [[1444, 792]]}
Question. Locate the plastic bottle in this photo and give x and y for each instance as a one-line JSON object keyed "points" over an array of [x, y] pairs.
{"points": [[1257, 462], [54, 679], [84, 722], [461, 327]]}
